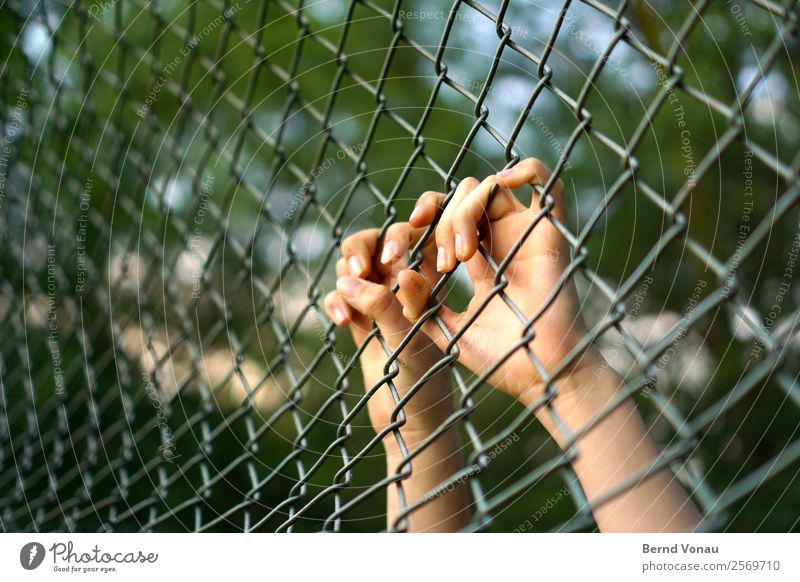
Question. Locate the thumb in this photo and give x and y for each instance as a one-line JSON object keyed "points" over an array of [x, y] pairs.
{"points": [[413, 295], [378, 303]]}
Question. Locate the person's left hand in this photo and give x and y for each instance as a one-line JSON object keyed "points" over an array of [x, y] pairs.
{"points": [[364, 295]]}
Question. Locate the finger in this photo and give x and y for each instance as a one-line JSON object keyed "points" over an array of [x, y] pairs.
{"points": [[358, 250], [376, 302], [341, 267], [445, 233], [337, 310], [428, 255], [533, 172], [413, 294], [359, 324], [398, 239], [426, 209], [480, 273], [477, 207]]}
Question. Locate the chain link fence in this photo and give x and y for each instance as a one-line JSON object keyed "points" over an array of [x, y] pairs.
{"points": [[176, 182]]}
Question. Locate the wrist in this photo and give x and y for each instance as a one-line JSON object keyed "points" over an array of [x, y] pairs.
{"points": [[413, 435], [420, 423], [581, 392], [411, 439]]}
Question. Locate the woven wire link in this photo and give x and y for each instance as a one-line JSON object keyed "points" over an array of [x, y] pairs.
{"points": [[177, 183]]}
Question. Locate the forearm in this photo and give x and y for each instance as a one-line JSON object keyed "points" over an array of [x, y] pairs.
{"points": [[440, 460], [614, 450]]}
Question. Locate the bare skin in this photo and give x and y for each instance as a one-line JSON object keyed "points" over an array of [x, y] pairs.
{"points": [[358, 301], [610, 454]]}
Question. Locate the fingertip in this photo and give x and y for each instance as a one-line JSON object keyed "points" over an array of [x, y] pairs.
{"points": [[341, 267], [355, 266], [422, 215], [405, 277], [460, 248], [441, 259], [425, 210], [466, 244], [445, 257], [507, 178], [336, 309], [412, 218], [527, 171], [413, 293], [358, 250], [389, 252], [339, 316]]}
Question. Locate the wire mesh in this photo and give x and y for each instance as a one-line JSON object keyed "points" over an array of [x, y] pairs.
{"points": [[177, 181]]}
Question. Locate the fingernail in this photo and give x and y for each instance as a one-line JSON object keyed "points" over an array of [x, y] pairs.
{"points": [[349, 286], [459, 246], [354, 266], [388, 252], [414, 213], [339, 315], [506, 172], [441, 259]]}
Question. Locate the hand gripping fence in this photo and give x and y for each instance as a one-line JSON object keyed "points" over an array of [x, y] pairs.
{"points": [[176, 182]]}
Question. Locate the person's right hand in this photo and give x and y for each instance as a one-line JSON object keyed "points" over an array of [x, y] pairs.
{"points": [[532, 276]]}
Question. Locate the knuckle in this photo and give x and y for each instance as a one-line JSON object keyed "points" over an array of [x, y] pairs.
{"points": [[532, 162], [444, 231], [431, 197], [357, 242], [464, 220], [468, 183], [348, 244], [411, 313], [379, 300], [537, 167]]}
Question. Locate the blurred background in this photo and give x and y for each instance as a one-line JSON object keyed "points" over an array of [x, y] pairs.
{"points": [[177, 176]]}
